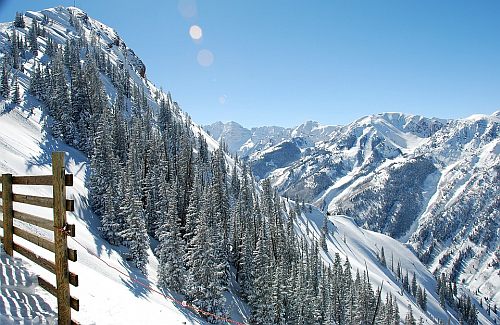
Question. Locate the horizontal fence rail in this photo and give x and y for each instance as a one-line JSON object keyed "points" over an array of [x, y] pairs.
{"points": [[61, 230], [38, 180]]}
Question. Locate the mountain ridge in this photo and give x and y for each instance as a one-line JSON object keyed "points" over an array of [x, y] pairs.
{"points": [[380, 150], [35, 124]]}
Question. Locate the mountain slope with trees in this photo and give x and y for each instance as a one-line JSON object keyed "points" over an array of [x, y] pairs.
{"points": [[171, 207], [428, 182]]}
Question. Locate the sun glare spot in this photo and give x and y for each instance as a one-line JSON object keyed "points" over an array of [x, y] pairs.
{"points": [[205, 58], [187, 8], [195, 32]]}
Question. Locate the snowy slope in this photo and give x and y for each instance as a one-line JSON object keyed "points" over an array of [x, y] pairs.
{"points": [[21, 297], [106, 296], [362, 247], [432, 183], [110, 297]]}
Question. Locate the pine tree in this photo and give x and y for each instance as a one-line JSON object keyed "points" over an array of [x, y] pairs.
{"points": [[424, 299], [59, 102], [324, 233], [16, 95], [382, 257], [37, 87], [135, 235], [15, 51], [406, 282], [32, 36], [171, 269], [410, 319], [111, 221], [205, 276], [4, 85], [442, 297], [19, 21], [262, 312], [414, 285], [396, 317], [419, 296]]}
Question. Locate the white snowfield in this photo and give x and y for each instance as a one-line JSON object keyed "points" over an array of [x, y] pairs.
{"points": [[106, 296]]}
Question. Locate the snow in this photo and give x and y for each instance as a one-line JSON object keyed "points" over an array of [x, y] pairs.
{"points": [[466, 154], [21, 297], [109, 297], [361, 247], [106, 296]]}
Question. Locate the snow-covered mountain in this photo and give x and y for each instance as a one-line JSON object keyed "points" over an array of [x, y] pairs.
{"points": [[273, 225], [253, 142], [429, 182], [106, 296]]}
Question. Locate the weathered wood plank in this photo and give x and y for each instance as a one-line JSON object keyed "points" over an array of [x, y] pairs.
{"points": [[42, 242], [32, 180], [40, 180], [70, 205], [43, 262], [7, 209], [73, 302], [34, 220], [44, 202], [60, 239], [70, 230], [37, 240], [72, 255]]}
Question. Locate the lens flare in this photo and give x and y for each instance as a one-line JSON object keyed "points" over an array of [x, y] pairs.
{"points": [[205, 58], [195, 32], [187, 8]]}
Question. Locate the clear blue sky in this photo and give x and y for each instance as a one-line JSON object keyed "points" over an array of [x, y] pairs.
{"points": [[282, 62]]}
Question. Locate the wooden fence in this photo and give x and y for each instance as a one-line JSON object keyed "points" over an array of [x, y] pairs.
{"points": [[58, 180]]}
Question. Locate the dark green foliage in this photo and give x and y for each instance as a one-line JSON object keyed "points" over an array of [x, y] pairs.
{"points": [[4, 82], [19, 21], [16, 95]]}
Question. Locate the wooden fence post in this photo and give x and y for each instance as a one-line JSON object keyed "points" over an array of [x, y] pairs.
{"points": [[8, 213], [60, 239]]}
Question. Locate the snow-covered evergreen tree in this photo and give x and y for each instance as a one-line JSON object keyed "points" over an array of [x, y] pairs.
{"points": [[19, 20], [4, 82]]}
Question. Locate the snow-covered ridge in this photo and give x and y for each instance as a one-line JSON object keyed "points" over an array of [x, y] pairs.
{"points": [[436, 164], [106, 297]]}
